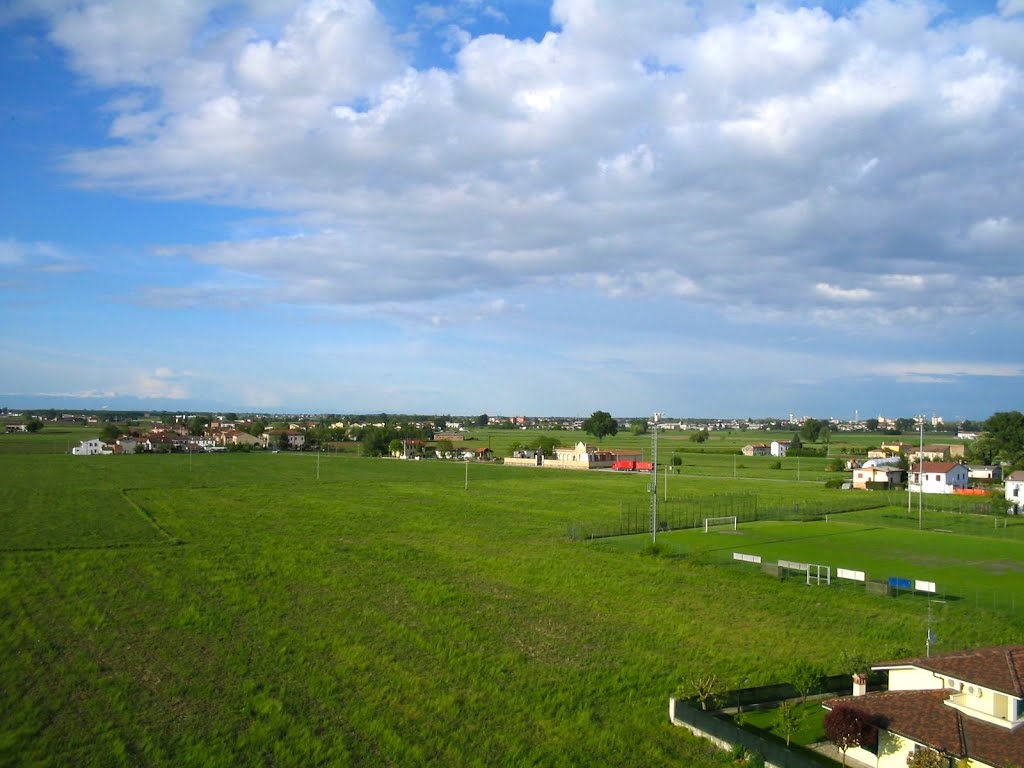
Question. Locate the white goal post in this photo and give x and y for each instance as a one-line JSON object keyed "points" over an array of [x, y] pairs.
{"points": [[716, 521], [818, 574]]}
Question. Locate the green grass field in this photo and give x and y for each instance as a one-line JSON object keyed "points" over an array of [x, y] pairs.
{"points": [[959, 565], [235, 610]]}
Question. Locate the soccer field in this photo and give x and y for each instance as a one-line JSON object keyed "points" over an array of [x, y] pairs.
{"points": [[966, 567]]}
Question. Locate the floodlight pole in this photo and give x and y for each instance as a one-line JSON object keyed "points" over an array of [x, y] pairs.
{"points": [[467, 475], [920, 480], [654, 480]]}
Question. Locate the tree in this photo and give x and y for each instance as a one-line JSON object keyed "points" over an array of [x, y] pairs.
{"points": [[796, 444], [197, 425], [788, 718], [871, 425], [34, 425], [282, 441], [395, 446], [445, 448], [1006, 430], [599, 424], [925, 758], [811, 430], [904, 425], [806, 678], [483, 420], [700, 437], [638, 426], [984, 450], [544, 445], [848, 726], [705, 688], [110, 432]]}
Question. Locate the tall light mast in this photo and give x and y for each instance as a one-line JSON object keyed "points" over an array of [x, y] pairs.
{"points": [[653, 487]]}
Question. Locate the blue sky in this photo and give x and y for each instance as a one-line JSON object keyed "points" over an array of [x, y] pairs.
{"points": [[705, 209]]}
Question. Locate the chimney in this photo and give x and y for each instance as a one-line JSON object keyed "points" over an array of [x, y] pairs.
{"points": [[860, 684]]}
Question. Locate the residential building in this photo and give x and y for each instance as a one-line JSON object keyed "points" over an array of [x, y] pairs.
{"points": [[879, 476], [238, 437], [938, 452], [757, 449], [964, 705], [1014, 490], [938, 477], [779, 447], [579, 456], [296, 439], [94, 447], [985, 472]]}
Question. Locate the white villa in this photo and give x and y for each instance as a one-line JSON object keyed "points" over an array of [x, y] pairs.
{"points": [[938, 477], [1014, 489], [94, 447], [779, 447], [965, 705]]}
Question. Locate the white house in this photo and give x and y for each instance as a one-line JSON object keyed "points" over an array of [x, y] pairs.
{"points": [[1015, 492], [938, 477], [965, 705], [94, 447], [779, 447], [878, 475], [984, 472]]}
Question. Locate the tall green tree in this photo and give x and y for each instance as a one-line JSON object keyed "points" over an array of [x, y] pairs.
{"points": [[638, 426], [811, 430], [109, 432], [599, 424], [1006, 430]]}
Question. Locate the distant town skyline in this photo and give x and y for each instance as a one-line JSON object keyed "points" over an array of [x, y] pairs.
{"points": [[513, 207]]}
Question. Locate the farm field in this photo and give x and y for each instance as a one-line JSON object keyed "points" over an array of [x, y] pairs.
{"points": [[280, 609]]}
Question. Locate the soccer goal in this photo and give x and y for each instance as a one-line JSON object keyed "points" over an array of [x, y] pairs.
{"points": [[819, 574], [714, 522]]}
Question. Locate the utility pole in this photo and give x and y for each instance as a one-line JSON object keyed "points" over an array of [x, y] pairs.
{"points": [[920, 479], [653, 488]]}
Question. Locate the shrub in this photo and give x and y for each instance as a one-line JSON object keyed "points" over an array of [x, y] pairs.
{"points": [[776, 465]]}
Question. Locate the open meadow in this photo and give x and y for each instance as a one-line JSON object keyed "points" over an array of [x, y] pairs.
{"points": [[280, 609]]}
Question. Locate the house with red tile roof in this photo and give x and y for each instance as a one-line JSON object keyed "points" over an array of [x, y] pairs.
{"points": [[963, 705]]}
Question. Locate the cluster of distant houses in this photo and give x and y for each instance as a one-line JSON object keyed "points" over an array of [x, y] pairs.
{"points": [[173, 438]]}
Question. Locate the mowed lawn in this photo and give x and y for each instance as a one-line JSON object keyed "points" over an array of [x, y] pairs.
{"points": [[383, 613], [959, 565]]}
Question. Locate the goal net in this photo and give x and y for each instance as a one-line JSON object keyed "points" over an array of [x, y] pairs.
{"points": [[718, 522]]}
